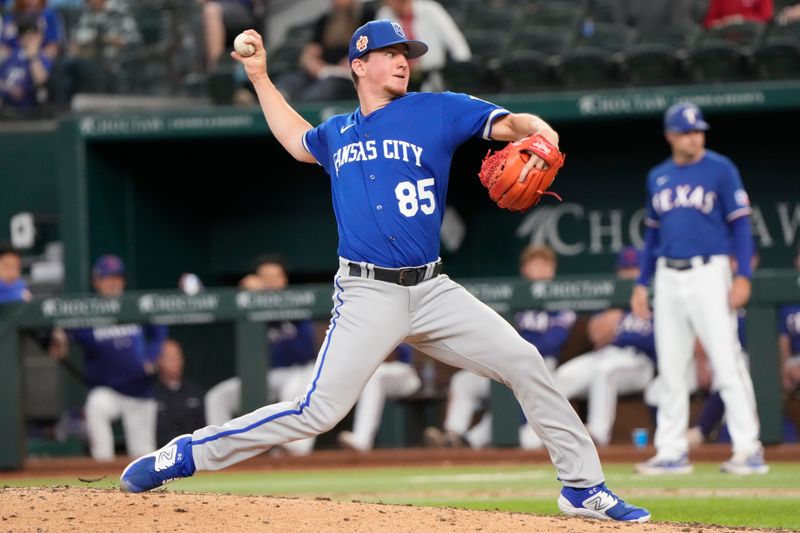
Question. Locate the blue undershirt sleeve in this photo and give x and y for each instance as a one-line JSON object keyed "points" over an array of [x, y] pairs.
{"points": [[742, 245], [647, 259]]}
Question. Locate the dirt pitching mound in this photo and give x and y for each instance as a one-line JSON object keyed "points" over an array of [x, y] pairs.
{"points": [[60, 509]]}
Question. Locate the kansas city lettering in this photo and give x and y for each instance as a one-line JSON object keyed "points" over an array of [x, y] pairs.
{"points": [[367, 151]]}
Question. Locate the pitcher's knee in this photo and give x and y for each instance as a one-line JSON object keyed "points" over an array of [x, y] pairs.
{"points": [[524, 367], [321, 418]]}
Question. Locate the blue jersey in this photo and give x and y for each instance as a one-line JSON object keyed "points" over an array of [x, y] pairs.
{"points": [[115, 356], [547, 330], [389, 172], [403, 354], [692, 205], [291, 343], [48, 21], [16, 77], [12, 292], [636, 332], [789, 324]]}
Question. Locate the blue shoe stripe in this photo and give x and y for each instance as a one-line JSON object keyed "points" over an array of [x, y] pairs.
{"points": [[307, 400]]}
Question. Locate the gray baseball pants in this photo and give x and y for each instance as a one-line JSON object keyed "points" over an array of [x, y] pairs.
{"points": [[440, 318]]}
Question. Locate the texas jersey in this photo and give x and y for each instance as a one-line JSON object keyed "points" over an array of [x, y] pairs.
{"points": [[693, 204], [115, 356], [17, 86], [790, 325], [291, 343], [547, 330], [636, 332], [389, 172]]}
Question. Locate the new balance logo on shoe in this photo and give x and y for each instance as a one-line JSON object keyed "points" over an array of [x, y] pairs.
{"points": [[166, 458], [599, 502]]}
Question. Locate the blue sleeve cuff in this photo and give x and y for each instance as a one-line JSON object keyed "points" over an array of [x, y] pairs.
{"points": [[743, 246], [647, 260]]}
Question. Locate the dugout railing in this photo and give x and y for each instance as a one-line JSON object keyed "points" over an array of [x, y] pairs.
{"points": [[249, 310]]}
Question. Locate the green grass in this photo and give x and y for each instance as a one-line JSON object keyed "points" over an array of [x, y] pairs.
{"points": [[706, 496]]}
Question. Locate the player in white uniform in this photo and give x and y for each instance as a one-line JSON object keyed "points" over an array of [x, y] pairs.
{"points": [[696, 206], [389, 166]]}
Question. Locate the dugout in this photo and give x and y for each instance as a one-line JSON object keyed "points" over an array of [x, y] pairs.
{"points": [[207, 190]]}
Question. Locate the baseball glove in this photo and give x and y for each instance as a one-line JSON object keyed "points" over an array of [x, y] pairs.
{"points": [[500, 173]]}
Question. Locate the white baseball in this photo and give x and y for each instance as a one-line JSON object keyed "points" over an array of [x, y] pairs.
{"points": [[242, 47]]}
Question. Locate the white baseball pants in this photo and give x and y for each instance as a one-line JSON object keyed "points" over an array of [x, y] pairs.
{"points": [[689, 303], [438, 317], [600, 377], [103, 406]]}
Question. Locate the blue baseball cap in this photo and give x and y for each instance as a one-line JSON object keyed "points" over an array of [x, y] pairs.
{"points": [[380, 34], [628, 257], [684, 117], [108, 265]]}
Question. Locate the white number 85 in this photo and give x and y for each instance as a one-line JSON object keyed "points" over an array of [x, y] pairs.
{"points": [[411, 199]]}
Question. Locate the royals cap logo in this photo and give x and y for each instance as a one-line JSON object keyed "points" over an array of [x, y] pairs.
{"points": [[361, 44], [398, 30]]}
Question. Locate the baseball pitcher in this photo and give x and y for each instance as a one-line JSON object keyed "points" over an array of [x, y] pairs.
{"points": [[389, 165]]}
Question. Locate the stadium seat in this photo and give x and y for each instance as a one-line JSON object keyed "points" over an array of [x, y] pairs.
{"points": [[778, 58], [528, 71], [676, 37], [608, 37], [563, 15], [540, 39], [604, 11], [653, 64], [585, 67], [299, 34], [717, 61], [746, 34], [472, 77], [784, 30], [581, 4], [490, 17], [486, 44], [284, 59]]}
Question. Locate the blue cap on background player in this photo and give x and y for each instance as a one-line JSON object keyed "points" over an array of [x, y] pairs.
{"points": [[628, 257], [108, 265], [379, 34], [684, 117]]}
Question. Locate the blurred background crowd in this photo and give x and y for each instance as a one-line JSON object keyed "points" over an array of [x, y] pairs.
{"points": [[58, 56]]}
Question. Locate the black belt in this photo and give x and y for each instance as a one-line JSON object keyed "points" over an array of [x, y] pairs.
{"points": [[406, 277], [684, 264]]}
